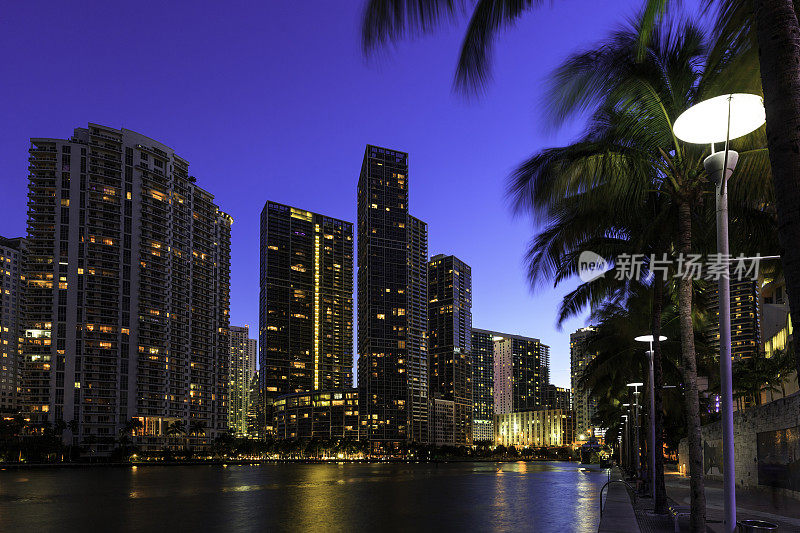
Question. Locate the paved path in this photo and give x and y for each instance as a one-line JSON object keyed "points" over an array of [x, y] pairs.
{"points": [[754, 504], [618, 515]]}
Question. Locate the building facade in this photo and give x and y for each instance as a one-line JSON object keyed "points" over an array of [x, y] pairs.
{"points": [[559, 398], [305, 303], [127, 290], [482, 385], [11, 280], [241, 370], [323, 415], [450, 349], [392, 304], [582, 404], [541, 428], [521, 373], [745, 319]]}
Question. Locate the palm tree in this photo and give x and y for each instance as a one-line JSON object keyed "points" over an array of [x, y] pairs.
{"points": [[769, 26], [197, 428], [176, 428], [629, 161], [132, 426]]}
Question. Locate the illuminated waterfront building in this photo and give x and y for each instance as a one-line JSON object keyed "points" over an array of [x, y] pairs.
{"points": [[449, 350], [305, 303], [582, 404], [541, 427], [392, 304], [482, 385], [319, 415], [127, 291], [241, 370], [11, 279], [521, 373]]}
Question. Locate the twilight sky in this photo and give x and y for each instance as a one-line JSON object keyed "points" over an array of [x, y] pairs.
{"points": [[275, 101]]}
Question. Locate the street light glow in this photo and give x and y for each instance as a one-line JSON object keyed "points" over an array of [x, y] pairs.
{"points": [[637, 384], [707, 122], [649, 338]]}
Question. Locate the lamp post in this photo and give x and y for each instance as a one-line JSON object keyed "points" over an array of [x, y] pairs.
{"points": [[622, 457], [715, 120], [628, 456], [649, 339], [638, 450]]}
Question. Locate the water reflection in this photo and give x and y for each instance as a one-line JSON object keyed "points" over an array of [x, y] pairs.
{"points": [[308, 497]]}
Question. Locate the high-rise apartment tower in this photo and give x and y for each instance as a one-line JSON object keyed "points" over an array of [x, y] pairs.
{"points": [[127, 290]]}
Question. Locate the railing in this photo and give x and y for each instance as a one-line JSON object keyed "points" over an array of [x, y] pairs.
{"points": [[630, 491]]}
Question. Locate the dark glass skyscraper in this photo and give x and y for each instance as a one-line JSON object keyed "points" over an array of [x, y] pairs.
{"points": [[449, 350], [306, 302], [482, 385], [392, 303]]}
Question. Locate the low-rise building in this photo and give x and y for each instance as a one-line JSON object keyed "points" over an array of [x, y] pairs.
{"points": [[541, 428], [320, 415]]}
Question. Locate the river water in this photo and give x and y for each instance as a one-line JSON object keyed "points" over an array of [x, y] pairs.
{"points": [[544, 497]]}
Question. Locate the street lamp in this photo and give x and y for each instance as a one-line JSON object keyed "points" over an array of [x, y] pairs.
{"points": [[638, 462], [649, 339], [716, 120], [623, 457]]}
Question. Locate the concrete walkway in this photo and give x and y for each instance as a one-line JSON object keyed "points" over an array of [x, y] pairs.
{"points": [[755, 504], [618, 515]]}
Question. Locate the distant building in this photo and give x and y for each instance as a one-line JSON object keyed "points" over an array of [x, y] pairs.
{"points": [[521, 373], [450, 349], [318, 415], [745, 319], [305, 302], [482, 385], [392, 304], [558, 398], [543, 428], [127, 291], [583, 405], [11, 284], [241, 369], [777, 333], [256, 414]]}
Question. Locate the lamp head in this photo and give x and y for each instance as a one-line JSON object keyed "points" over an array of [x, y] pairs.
{"points": [[649, 338], [637, 384], [707, 122]]}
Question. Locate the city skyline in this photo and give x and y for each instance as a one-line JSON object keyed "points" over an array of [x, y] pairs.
{"points": [[248, 154]]}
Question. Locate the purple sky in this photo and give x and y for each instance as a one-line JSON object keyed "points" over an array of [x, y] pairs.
{"points": [[276, 102]]}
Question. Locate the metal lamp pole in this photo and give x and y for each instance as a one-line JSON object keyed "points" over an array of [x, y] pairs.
{"points": [[711, 122], [650, 354], [637, 462], [628, 455], [714, 165]]}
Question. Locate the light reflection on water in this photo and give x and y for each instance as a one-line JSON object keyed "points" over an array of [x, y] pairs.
{"points": [[309, 497]]}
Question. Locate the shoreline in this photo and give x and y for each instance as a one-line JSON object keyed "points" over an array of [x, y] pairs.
{"points": [[256, 462]]}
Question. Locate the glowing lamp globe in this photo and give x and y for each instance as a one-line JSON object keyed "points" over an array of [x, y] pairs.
{"points": [[649, 338], [707, 122]]}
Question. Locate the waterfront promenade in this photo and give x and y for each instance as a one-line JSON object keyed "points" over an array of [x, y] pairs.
{"points": [[754, 504]]}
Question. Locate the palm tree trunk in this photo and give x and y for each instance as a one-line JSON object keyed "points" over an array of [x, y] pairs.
{"points": [[691, 398], [661, 491], [778, 48]]}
